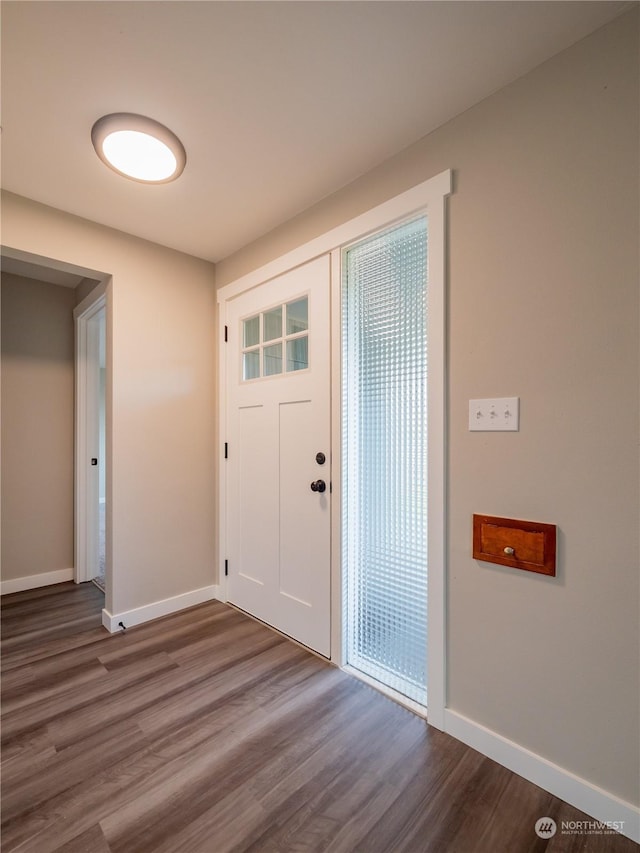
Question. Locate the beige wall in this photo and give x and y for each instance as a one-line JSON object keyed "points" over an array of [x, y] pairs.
{"points": [[161, 352], [37, 427], [543, 304]]}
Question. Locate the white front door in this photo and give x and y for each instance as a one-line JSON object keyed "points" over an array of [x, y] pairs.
{"points": [[278, 434]]}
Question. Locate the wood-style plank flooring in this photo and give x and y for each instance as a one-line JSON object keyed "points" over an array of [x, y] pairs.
{"points": [[206, 732]]}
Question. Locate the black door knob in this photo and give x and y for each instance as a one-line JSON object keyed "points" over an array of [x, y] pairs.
{"points": [[318, 486]]}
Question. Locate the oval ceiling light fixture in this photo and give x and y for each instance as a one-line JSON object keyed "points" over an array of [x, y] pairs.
{"points": [[139, 148]]}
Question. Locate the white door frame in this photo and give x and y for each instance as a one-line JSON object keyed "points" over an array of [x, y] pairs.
{"points": [[86, 429], [428, 198]]}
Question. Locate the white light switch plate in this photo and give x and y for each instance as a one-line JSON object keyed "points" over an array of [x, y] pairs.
{"points": [[494, 414]]}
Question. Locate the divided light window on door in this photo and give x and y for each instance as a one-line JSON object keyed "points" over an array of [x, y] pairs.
{"points": [[385, 457], [268, 349]]}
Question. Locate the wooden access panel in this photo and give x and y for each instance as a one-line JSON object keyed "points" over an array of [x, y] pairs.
{"points": [[527, 545]]}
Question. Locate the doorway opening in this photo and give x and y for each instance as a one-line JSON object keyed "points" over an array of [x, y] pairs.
{"points": [[248, 502]]}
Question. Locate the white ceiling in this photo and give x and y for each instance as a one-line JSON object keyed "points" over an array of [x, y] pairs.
{"points": [[278, 104]]}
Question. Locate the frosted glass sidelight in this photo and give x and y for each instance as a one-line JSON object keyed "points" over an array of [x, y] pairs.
{"points": [[385, 457]]}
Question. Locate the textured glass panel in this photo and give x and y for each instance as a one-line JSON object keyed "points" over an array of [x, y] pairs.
{"points": [[272, 359], [385, 457], [251, 364], [272, 324], [298, 354], [298, 316], [251, 331]]}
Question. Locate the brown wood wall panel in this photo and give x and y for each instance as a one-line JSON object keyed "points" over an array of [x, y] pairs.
{"points": [[206, 732]]}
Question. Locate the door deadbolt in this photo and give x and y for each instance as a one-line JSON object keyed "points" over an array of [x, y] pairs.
{"points": [[94, 461], [321, 458], [318, 486]]}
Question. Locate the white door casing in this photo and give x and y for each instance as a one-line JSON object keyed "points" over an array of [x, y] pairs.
{"points": [[428, 198], [279, 546], [88, 316]]}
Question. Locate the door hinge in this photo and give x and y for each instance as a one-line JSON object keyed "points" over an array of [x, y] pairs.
{"points": [[226, 450], [226, 568], [226, 334]]}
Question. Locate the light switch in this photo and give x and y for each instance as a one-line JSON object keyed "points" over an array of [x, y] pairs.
{"points": [[494, 414]]}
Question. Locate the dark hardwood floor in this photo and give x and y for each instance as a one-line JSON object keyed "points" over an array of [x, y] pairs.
{"points": [[206, 732]]}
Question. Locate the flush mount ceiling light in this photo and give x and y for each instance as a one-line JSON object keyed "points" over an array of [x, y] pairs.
{"points": [[138, 148]]}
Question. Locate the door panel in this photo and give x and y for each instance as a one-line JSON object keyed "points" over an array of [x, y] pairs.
{"points": [[253, 513], [279, 419], [297, 517]]}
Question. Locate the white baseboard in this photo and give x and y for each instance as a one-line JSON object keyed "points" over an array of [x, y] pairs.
{"points": [[594, 801], [35, 581], [138, 615]]}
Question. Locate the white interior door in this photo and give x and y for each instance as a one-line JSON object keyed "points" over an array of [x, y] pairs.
{"points": [[278, 435], [90, 431]]}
